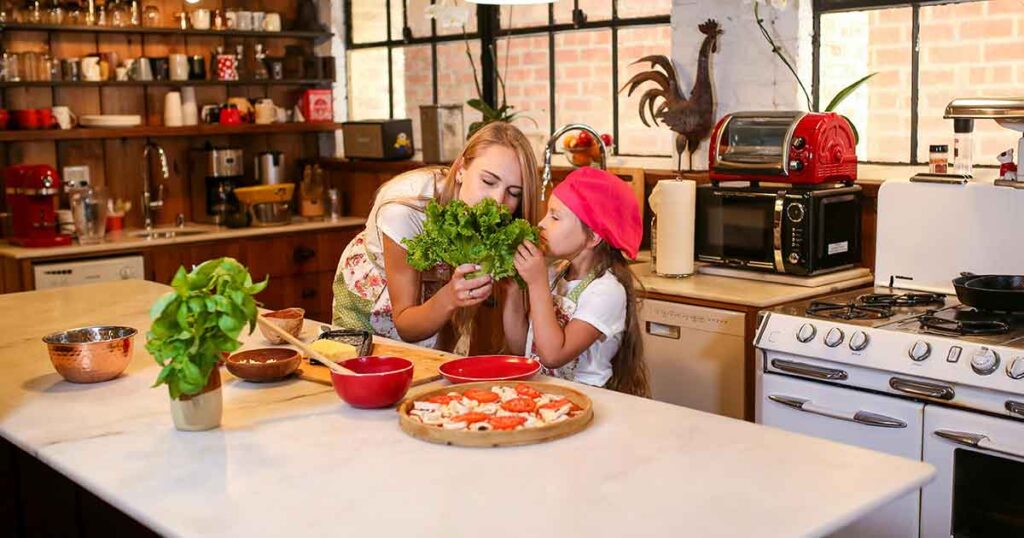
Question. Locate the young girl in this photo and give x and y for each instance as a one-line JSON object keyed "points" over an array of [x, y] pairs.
{"points": [[582, 320]]}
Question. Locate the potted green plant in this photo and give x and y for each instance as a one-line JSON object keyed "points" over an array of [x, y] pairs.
{"points": [[193, 325]]}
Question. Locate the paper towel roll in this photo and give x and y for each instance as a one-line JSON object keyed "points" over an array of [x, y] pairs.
{"points": [[674, 202]]}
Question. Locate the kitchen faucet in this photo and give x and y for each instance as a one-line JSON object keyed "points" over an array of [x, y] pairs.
{"points": [[546, 178], [149, 203]]}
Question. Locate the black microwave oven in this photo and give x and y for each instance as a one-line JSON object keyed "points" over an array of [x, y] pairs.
{"points": [[783, 229]]}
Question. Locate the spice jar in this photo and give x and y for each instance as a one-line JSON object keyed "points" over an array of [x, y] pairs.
{"points": [[938, 162]]}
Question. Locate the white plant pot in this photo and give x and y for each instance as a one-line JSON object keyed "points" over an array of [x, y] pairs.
{"points": [[202, 411]]}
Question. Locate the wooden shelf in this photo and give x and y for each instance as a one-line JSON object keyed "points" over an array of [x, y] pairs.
{"points": [[160, 131], [175, 83], [286, 34]]}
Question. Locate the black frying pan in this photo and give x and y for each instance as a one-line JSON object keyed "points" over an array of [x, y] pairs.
{"points": [[1004, 293]]}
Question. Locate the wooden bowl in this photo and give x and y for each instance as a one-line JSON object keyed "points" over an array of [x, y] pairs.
{"points": [[264, 364], [289, 319], [495, 438]]}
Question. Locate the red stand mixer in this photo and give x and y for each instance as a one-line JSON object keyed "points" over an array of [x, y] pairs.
{"points": [[32, 191]]}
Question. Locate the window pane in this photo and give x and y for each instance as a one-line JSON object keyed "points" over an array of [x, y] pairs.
{"points": [[527, 83], [644, 8], [396, 20], [854, 44], [634, 137], [417, 14], [526, 16], [583, 79], [369, 98], [413, 88], [470, 24], [596, 10], [969, 50], [369, 21], [455, 76]]}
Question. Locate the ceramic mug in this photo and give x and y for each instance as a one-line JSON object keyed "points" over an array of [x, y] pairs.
{"points": [[178, 66], [258, 17], [161, 68], [91, 68], [196, 67], [244, 21], [226, 67], [26, 118], [210, 114], [5, 118], [272, 22], [231, 19], [200, 19], [44, 118], [64, 117], [266, 112], [121, 73]]}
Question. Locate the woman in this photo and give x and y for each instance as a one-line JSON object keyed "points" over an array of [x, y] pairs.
{"points": [[376, 289]]}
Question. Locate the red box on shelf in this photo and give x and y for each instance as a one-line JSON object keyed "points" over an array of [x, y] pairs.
{"points": [[317, 105]]}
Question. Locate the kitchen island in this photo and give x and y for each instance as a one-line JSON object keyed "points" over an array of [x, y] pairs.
{"points": [[292, 459]]}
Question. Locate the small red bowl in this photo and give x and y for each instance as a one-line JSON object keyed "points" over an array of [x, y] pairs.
{"points": [[386, 382], [489, 368]]}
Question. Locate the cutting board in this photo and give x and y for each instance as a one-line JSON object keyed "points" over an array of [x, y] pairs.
{"points": [[426, 363], [792, 280]]}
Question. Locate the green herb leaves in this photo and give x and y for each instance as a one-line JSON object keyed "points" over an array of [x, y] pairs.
{"points": [[197, 321], [485, 234]]}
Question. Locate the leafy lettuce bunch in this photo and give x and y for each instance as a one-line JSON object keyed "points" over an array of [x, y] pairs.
{"points": [[485, 234]]}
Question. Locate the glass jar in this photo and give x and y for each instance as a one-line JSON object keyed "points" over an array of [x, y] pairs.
{"points": [[89, 210], [963, 146], [938, 160]]}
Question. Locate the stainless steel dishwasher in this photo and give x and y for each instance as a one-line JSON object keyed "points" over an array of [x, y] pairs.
{"points": [[695, 356]]}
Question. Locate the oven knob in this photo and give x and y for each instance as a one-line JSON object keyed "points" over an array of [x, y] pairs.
{"points": [[795, 212], [834, 337], [794, 258], [859, 341], [796, 166], [1016, 368], [126, 273], [920, 350], [799, 142], [806, 333], [984, 361]]}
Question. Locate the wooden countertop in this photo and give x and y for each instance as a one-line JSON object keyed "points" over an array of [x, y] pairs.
{"points": [[124, 242], [291, 458]]}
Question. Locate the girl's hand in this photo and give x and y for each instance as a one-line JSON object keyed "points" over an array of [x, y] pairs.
{"points": [[531, 264], [468, 292]]}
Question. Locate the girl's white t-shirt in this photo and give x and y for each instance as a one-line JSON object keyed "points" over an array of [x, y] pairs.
{"points": [[602, 305], [391, 216]]}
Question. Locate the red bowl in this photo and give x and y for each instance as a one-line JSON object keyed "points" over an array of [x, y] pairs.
{"points": [[387, 381], [489, 368]]}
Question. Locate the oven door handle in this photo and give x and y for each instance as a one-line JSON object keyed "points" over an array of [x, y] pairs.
{"points": [[866, 418], [980, 442], [809, 370], [921, 388]]}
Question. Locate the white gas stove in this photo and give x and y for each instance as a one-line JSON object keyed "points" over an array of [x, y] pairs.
{"points": [[904, 368]]}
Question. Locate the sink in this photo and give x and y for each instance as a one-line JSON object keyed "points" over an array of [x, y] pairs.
{"points": [[165, 233]]}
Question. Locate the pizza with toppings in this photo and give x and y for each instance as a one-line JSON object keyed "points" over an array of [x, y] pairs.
{"points": [[495, 413]]}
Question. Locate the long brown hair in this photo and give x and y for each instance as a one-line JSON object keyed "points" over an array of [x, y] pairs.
{"points": [[629, 371]]}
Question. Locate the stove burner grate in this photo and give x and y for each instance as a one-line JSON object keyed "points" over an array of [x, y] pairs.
{"points": [[848, 311], [953, 327], [902, 299]]}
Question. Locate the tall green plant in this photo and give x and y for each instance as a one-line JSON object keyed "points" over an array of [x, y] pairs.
{"points": [[779, 51], [197, 321]]}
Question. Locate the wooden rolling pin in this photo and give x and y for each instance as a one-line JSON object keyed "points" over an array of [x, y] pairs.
{"points": [[310, 352]]}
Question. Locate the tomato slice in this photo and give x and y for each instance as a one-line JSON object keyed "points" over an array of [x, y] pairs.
{"points": [[557, 404], [470, 418], [482, 396], [519, 405], [525, 390], [443, 399], [505, 423]]}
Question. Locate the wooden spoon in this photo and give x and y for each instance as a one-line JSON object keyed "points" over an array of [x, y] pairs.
{"points": [[310, 352]]}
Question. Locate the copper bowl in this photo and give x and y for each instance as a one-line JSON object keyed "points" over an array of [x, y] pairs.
{"points": [[264, 364], [91, 354], [289, 319]]}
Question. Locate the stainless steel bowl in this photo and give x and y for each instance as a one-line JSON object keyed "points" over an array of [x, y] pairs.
{"points": [[271, 214], [91, 354]]}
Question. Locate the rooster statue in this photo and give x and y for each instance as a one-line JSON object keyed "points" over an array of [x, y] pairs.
{"points": [[692, 119]]}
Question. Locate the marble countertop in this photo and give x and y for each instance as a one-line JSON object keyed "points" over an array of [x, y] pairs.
{"points": [[292, 459], [740, 291], [123, 241]]}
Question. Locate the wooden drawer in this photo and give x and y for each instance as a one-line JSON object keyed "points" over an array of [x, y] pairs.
{"points": [[302, 291], [164, 262]]}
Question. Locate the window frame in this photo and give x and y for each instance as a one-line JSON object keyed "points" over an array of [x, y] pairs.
{"points": [[489, 31], [822, 7]]}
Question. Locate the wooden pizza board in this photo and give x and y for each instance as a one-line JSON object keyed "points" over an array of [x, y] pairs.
{"points": [[526, 436]]}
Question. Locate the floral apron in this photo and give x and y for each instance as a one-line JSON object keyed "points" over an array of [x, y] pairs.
{"points": [[361, 299], [565, 307]]}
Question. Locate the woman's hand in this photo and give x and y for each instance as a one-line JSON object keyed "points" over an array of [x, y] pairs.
{"points": [[464, 292], [532, 265]]}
